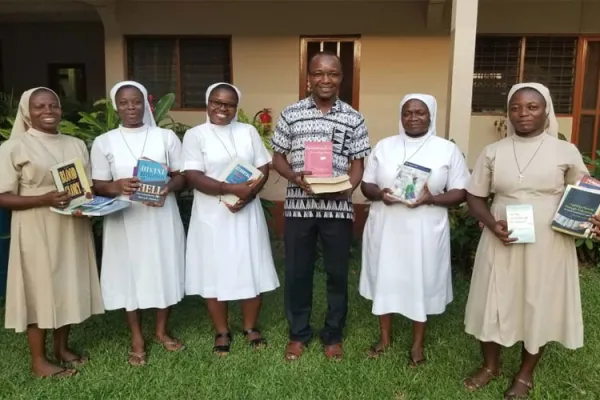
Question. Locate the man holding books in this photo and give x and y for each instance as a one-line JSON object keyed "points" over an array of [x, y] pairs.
{"points": [[320, 118]]}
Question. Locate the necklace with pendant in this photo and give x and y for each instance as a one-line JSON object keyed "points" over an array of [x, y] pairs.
{"points": [[522, 171]]}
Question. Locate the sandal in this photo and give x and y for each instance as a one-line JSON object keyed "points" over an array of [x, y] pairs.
{"points": [[64, 373], [487, 375], [415, 363], [377, 350], [75, 362], [137, 359], [222, 349], [258, 342], [170, 345], [334, 352], [294, 350], [512, 395]]}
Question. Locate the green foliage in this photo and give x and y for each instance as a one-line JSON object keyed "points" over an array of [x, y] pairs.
{"points": [[263, 130], [464, 238]]}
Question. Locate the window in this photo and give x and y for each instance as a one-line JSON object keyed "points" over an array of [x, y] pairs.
{"points": [[348, 50], [500, 62], [186, 66], [68, 81]]}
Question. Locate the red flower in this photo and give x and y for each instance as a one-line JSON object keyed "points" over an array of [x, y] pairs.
{"points": [[151, 102]]}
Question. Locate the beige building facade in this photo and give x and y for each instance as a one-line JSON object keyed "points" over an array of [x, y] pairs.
{"points": [[467, 53]]}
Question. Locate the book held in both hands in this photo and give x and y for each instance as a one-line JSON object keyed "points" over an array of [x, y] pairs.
{"points": [[318, 160], [409, 183], [579, 202], [98, 207], [238, 171], [153, 178]]}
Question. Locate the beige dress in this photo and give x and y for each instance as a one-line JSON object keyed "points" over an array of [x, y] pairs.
{"points": [[526, 292], [52, 273]]}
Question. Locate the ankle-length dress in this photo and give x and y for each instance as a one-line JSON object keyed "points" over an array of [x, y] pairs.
{"points": [[143, 253], [526, 292], [52, 274]]}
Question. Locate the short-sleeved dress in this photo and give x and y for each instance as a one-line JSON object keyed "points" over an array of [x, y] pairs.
{"points": [[144, 247], [526, 292], [406, 252], [228, 255], [52, 273]]}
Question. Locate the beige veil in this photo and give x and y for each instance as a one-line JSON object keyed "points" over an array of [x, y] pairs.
{"points": [[551, 120]]}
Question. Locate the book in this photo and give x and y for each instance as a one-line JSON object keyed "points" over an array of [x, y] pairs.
{"points": [[589, 182], [576, 207], [238, 171], [328, 185], [153, 178], [409, 184], [98, 207], [519, 218], [318, 159], [70, 177]]}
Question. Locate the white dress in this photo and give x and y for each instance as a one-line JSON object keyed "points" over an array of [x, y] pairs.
{"points": [[406, 252], [229, 255], [144, 247]]}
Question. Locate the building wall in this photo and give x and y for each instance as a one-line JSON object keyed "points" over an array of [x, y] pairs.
{"points": [[28, 48]]}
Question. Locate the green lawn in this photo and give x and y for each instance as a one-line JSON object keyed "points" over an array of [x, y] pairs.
{"points": [[198, 374]]}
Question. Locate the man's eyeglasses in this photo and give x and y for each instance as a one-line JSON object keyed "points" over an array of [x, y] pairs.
{"points": [[216, 104]]}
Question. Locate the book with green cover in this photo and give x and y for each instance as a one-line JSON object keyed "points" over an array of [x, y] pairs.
{"points": [[576, 207]]}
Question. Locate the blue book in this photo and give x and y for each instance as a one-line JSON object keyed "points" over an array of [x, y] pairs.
{"points": [[153, 178], [238, 171], [576, 207]]}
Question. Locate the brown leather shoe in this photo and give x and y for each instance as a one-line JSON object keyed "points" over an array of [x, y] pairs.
{"points": [[334, 352], [294, 350]]}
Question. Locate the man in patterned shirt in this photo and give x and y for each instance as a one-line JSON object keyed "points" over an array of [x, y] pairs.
{"points": [[322, 117]]}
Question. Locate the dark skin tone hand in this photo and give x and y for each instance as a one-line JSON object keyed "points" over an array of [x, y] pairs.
{"points": [[527, 113]]}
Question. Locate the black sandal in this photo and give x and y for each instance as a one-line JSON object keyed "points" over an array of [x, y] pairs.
{"points": [[415, 363], [222, 349], [258, 342]]}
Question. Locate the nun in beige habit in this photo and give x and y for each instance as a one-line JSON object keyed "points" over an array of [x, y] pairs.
{"points": [[526, 293], [52, 274]]}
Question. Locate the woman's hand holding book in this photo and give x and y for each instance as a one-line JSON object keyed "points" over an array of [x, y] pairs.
{"points": [[56, 199], [127, 186]]}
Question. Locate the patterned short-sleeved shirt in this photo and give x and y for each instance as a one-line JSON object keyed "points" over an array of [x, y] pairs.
{"points": [[304, 122]]}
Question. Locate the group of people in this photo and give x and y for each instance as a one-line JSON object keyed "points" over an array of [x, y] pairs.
{"points": [[519, 293]]}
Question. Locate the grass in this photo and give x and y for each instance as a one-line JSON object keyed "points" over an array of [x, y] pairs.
{"points": [[198, 374]]}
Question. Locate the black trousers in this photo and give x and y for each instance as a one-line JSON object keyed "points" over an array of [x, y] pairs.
{"points": [[301, 235]]}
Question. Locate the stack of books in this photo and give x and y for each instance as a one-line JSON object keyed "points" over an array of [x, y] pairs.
{"points": [[578, 204]]}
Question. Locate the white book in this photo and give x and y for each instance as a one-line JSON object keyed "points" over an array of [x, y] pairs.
{"points": [[238, 171], [519, 218], [409, 183]]}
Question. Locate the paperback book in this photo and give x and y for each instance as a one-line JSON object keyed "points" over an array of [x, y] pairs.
{"points": [[153, 178], [519, 218], [98, 207], [238, 171], [70, 177], [410, 182], [318, 159], [336, 184], [576, 207]]}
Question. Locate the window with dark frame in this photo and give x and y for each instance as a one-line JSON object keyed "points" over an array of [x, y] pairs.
{"points": [[502, 61], [185, 66]]}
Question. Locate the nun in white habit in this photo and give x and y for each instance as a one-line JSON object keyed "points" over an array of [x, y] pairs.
{"points": [[143, 257], [406, 249], [229, 253]]}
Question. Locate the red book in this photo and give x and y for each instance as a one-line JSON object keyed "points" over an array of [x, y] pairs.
{"points": [[318, 159]]}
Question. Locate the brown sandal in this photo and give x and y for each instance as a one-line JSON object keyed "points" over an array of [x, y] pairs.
{"points": [[334, 352], [415, 363], [63, 373], [512, 395], [137, 359], [472, 384], [294, 350], [170, 345], [76, 362], [377, 350]]}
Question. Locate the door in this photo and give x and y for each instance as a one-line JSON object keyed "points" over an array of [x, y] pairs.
{"points": [[586, 110]]}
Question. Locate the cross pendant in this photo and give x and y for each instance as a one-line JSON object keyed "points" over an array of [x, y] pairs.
{"points": [[520, 177]]}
